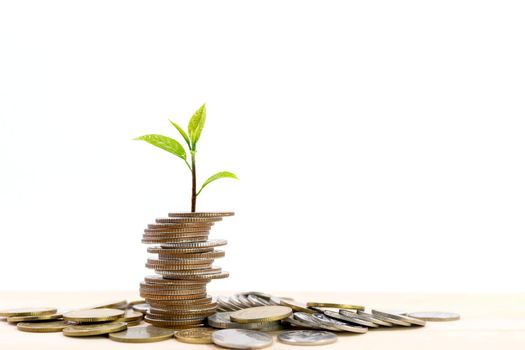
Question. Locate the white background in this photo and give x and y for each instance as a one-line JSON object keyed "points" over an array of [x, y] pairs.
{"points": [[380, 144]]}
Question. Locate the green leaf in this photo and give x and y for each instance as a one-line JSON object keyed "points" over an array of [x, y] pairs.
{"points": [[182, 132], [166, 143], [196, 125], [219, 175]]}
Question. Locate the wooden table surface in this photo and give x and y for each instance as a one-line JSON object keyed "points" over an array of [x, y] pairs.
{"points": [[488, 321]]}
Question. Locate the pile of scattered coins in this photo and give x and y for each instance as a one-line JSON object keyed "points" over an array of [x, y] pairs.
{"points": [[177, 295], [244, 321]]}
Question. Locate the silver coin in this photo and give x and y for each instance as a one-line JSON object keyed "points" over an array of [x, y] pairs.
{"points": [[385, 316], [224, 302], [235, 301], [244, 301], [308, 319], [307, 337], [141, 307], [342, 326], [434, 316], [299, 323], [399, 316], [369, 317], [350, 317], [257, 301], [241, 339]]}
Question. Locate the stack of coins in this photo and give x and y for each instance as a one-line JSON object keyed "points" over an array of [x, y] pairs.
{"points": [[177, 295]]}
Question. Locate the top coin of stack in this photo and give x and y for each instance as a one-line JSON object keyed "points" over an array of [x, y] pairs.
{"points": [[177, 294]]}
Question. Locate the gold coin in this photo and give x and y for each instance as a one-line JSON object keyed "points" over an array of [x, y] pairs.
{"points": [[180, 314], [181, 307], [205, 255], [189, 310], [156, 279], [150, 297], [132, 323], [42, 327], [143, 334], [169, 236], [335, 305], [168, 292], [261, 314], [156, 286], [187, 219], [180, 261], [183, 323], [93, 315], [182, 304], [175, 230], [131, 315], [114, 304], [94, 329], [50, 317], [195, 335], [205, 225], [28, 311], [296, 306], [202, 214]]}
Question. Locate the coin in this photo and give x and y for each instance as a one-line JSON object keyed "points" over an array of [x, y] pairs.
{"points": [[349, 317], [180, 261], [93, 329], [384, 316], [173, 219], [434, 316], [195, 335], [152, 297], [135, 302], [244, 301], [175, 230], [178, 267], [201, 225], [225, 303], [50, 317], [165, 251], [142, 334], [277, 300], [28, 311], [307, 337], [241, 339], [261, 314], [222, 320], [215, 254], [142, 308], [296, 305], [257, 301], [335, 305], [368, 317], [192, 240], [155, 279], [325, 320], [178, 302], [194, 322], [298, 323], [258, 294], [200, 276], [309, 321], [93, 315], [172, 291], [209, 244], [238, 303], [42, 327], [202, 214], [399, 317], [130, 316]]}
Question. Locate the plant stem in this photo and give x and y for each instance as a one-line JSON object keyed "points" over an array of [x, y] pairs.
{"points": [[193, 183]]}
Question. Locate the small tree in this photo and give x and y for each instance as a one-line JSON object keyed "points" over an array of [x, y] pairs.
{"points": [[168, 144]]}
